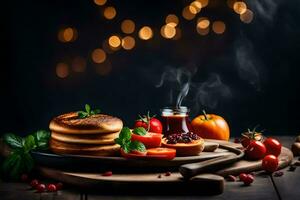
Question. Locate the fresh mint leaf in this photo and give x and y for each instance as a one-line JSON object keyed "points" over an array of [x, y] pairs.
{"points": [[13, 140], [140, 131], [82, 114], [137, 146], [29, 143], [87, 108], [88, 112]]}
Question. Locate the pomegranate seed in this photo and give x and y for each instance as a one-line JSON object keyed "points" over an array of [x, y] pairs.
{"points": [[168, 174], [59, 186], [34, 183], [248, 180], [108, 173], [242, 176], [278, 173], [51, 188], [41, 187], [24, 177], [159, 176], [231, 178]]}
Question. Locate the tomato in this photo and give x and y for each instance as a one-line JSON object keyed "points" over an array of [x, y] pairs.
{"points": [[270, 163], [210, 126], [255, 150], [133, 154], [242, 176], [152, 123], [248, 136], [150, 140], [166, 153], [273, 146]]}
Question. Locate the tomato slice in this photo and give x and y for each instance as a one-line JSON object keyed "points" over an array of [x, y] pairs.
{"points": [[163, 153], [133, 154], [150, 140]]}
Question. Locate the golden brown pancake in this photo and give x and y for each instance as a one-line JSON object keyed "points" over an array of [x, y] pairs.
{"points": [[70, 124], [86, 139], [83, 149]]}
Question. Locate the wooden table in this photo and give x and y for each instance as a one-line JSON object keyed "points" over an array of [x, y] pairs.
{"points": [[264, 187]]}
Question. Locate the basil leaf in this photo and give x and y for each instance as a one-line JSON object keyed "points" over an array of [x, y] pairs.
{"points": [[41, 138], [16, 169], [29, 143], [9, 162], [96, 111], [87, 108], [126, 147], [125, 134], [13, 140], [140, 131], [137, 146], [82, 114], [27, 161]]}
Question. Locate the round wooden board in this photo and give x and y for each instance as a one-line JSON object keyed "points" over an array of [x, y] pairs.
{"points": [[204, 181]]}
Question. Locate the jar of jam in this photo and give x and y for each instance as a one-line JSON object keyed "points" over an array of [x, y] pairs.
{"points": [[175, 120]]}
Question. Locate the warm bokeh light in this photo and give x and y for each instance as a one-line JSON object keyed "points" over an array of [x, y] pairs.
{"points": [[239, 7], [203, 31], [145, 33], [128, 42], [204, 3], [107, 48], [67, 34], [168, 31], [195, 7], [104, 69], [230, 3], [109, 12], [218, 27], [203, 23], [98, 56], [178, 34], [79, 64], [187, 14], [62, 70], [247, 17], [172, 20], [100, 2], [128, 26], [114, 41]]}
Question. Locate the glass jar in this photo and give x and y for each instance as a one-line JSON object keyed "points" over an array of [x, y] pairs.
{"points": [[175, 120]]}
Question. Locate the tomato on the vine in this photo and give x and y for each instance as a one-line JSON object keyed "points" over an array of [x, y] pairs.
{"points": [[247, 137], [255, 150], [270, 163], [151, 124], [273, 146]]}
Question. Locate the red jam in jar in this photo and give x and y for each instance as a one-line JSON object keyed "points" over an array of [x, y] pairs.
{"points": [[175, 120]]}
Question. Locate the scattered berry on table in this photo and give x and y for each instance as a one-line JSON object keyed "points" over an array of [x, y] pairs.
{"points": [[159, 176], [59, 186], [41, 187], [108, 173], [34, 183], [248, 180], [168, 174], [231, 178], [51, 188], [242, 176]]}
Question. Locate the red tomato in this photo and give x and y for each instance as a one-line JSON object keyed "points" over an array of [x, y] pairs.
{"points": [[155, 125], [255, 150], [165, 153], [242, 176], [133, 154], [150, 140], [273, 147], [248, 136], [270, 163]]}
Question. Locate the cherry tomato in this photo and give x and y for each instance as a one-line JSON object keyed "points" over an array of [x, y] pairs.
{"points": [[249, 136], [273, 147], [255, 150], [51, 188], [165, 153], [150, 140], [41, 187], [152, 123], [270, 163], [34, 183], [242, 176]]}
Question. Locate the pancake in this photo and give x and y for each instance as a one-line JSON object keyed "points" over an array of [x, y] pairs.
{"points": [[86, 139], [70, 124], [80, 149]]}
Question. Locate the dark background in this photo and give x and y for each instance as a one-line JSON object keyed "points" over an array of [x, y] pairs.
{"points": [[248, 75]]}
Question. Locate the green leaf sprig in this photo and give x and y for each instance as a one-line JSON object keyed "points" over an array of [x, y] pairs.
{"points": [[20, 161], [124, 140], [88, 112]]}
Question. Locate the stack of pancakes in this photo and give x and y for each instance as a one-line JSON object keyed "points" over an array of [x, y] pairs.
{"points": [[93, 135]]}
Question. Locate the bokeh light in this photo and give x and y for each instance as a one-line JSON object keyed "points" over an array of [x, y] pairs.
{"points": [[178, 34], [218, 27], [203, 31], [195, 7], [187, 14], [239, 7], [100, 2], [203, 23], [247, 17], [98, 56], [128, 42], [128, 26], [109, 12], [108, 49], [145, 33], [172, 20], [67, 35], [204, 3], [62, 70], [79, 64], [114, 41], [104, 69], [168, 31]]}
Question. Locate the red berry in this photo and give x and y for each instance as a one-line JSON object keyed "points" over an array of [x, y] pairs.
{"points": [[242, 176], [24, 177], [51, 188], [231, 178], [108, 173], [41, 187], [34, 183], [59, 186], [159, 176], [168, 174], [248, 180]]}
